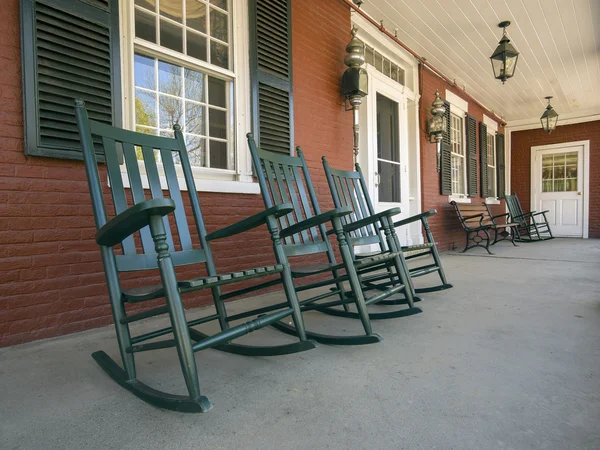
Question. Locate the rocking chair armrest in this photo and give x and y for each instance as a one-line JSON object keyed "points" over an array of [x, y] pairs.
{"points": [[414, 218], [316, 220], [534, 213], [251, 222], [371, 219], [132, 219]]}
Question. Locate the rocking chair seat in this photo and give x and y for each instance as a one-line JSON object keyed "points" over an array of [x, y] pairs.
{"points": [[140, 294], [363, 261]]}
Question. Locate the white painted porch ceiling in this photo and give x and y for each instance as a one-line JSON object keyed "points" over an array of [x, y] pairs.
{"points": [[558, 42]]}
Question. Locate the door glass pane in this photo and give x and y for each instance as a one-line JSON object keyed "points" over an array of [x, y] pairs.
{"points": [[387, 129], [389, 182], [388, 150], [547, 186], [570, 185], [559, 172]]}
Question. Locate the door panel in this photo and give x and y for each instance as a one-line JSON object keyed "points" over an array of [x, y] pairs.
{"points": [[557, 186]]}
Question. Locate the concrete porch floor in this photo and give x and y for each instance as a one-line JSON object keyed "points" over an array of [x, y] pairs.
{"points": [[508, 358]]}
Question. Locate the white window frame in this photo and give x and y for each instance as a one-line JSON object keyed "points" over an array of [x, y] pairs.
{"points": [[492, 129], [459, 107], [238, 180]]}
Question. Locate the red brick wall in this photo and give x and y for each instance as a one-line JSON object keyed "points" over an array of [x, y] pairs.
{"points": [[445, 225], [51, 278], [521, 144]]}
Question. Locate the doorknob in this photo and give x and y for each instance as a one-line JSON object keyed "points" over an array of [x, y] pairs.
{"points": [[579, 193]]}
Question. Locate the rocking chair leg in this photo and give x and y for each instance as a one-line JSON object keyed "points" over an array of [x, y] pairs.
{"points": [[353, 279], [118, 312], [176, 312]]}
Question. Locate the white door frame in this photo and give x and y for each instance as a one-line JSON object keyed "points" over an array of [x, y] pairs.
{"points": [[586, 175]]}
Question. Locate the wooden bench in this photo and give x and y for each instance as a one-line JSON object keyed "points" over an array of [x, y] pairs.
{"points": [[478, 222]]}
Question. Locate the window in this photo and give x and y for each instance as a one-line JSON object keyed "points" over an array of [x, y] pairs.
{"points": [[458, 164], [181, 74], [384, 65], [491, 164]]}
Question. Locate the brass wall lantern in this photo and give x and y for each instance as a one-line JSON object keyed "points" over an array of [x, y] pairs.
{"points": [[436, 126], [355, 82]]}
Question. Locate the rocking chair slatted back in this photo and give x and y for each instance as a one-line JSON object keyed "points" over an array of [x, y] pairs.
{"points": [[142, 151], [285, 179], [514, 208], [348, 188]]}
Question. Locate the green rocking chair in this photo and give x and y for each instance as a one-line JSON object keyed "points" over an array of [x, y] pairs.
{"points": [[285, 179], [162, 244], [349, 189]]}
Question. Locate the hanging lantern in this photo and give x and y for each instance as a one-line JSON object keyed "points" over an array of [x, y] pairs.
{"points": [[504, 59], [549, 118]]}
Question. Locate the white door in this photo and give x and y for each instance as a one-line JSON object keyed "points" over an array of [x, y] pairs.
{"points": [[388, 151], [557, 186]]}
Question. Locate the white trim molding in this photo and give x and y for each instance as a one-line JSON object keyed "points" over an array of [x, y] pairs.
{"points": [[586, 175], [491, 124]]}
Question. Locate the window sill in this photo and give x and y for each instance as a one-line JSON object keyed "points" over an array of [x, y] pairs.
{"points": [[458, 199], [492, 201], [204, 185]]}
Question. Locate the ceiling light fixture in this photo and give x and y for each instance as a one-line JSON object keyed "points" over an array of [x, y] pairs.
{"points": [[504, 58]]}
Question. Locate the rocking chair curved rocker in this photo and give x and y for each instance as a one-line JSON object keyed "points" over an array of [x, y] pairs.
{"points": [[166, 244]]}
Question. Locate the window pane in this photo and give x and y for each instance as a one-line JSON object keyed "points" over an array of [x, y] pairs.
{"points": [[386, 67], [171, 36], [145, 26], [559, 159], [169, 79], [547, 173], [148, 4], [570, 185], [144, 75], [220, 3], [171, 9], [559, 185], [547, 160], [571, 158], [194, 118], [219, 54], [195, 15], [217, 94], [369, 55], [571, 172], [196, 148], [170, 111], [196, 46], [218, 155], [218, 25], [547, 186], [378, 61], [145, 108], [559, 172], [217, 123], [194, 85]]}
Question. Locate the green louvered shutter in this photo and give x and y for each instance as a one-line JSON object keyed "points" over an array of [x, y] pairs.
{"points": [[472, 155], [70, 49], [445, 156], [500, 164], [483, 158], [271, 74]]}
